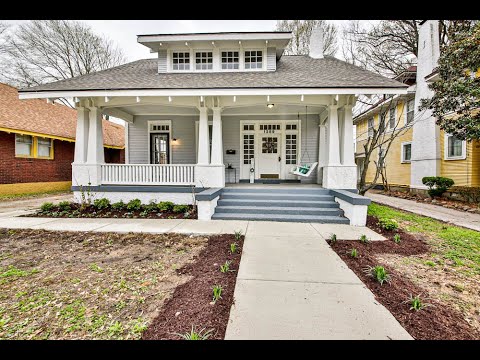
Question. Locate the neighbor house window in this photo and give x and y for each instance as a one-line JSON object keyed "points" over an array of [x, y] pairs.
{"points": [[204, 60], [44, 147], [406, 152], [23, 145], [410, 110], [181, 60], [230, 60], [455, 148], [370, 123], [253, 59], [391, 120]]}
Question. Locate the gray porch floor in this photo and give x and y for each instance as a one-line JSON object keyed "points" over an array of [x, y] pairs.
{"points": [[273, 186]]}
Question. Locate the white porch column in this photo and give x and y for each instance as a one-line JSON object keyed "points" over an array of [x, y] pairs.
{"points": [[95, 152], [347, 140], [81, 136], [335, 174], [217, 139], [322, 152], [203, 138]]}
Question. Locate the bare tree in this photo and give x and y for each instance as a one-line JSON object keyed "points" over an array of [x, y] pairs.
{"points": [[3, 30], [301, 31], [42, 51]]}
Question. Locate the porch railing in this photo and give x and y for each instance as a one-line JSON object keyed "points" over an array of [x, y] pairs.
{"points": [[146, 174]]}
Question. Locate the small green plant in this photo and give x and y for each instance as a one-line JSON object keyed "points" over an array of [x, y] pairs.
{"points": [[388, 224], [396, 238], [135, 204], [151, 207], [180, 208], [165, 205], [144, 213], [120, 205], [225, 267], [233, 248], [64, 205], [46, 207], [102, 203], [353, 253], [333, 238], [378, 273], [437, 185], [364, 239], [96, 268], [238, 235], [217, 293], [202, 334], [416, 303]]}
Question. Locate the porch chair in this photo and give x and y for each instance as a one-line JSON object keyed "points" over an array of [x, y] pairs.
{"points": [[304, 170]]}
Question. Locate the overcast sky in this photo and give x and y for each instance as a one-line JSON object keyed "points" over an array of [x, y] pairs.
{"points": [[124, 32]]}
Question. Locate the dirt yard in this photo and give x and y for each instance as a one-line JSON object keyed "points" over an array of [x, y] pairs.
{"points": [[77, 285]]}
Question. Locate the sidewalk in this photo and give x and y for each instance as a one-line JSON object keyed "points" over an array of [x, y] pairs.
{"points": [[455, 217]]}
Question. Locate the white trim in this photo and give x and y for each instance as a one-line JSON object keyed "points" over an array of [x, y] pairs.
{"points": [[402, 159], [207, 92], [210, 123], [213, 37], [445, 149], [160, 122], [127, 148]]}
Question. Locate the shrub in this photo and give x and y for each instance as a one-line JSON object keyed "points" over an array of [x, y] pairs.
{"points": [[233, 248], [416, 303], [225, 267], [388, 224], [151, 207], [135, 204], [353, 253], [467, 193], [102, 203], [202, 334], [165, 205], [64, 205], [180, 208], [118, 205], [238, 235], [378, 273], [217, 293], [396, 238], [437, 185], [46, 207]]}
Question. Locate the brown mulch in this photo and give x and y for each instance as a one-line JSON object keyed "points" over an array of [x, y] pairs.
{"points": [[190, 304], [434, 322]]}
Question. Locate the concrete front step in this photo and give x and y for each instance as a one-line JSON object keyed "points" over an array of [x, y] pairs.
{"points": [[274, 196], [279, 210], [277, 203], [282, 217], [313, 191]]}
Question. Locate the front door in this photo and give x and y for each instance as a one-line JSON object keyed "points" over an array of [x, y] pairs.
{"points": [[269, 160], [159, 148]]}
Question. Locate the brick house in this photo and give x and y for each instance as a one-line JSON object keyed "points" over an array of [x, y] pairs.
{"points": [[37, 140]]}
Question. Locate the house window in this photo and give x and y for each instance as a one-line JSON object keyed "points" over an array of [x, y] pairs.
{"points": [[44, 147], [23, 145], [391, 122], [253, 59], [370, 123], [410, 110], [455, 148], [248, 147], [406, 152], [181, 60], [291, 149], [230, 60], [290, 127], [204, 60], [249, 127]]}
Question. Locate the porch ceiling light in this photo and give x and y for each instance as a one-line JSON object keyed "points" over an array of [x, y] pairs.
{"points": [[107, 99], [234, 98], [270, 105], [301, 99], [138, 98], [268, 97], [169, 99]]}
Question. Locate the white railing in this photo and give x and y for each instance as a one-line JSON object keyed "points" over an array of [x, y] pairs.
{"points": [[146, 174]]}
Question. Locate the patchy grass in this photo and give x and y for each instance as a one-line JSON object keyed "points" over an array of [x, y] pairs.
{"points": [[32, 190], [80, 285]]}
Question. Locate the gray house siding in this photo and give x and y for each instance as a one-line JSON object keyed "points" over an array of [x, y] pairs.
{"points": [[162, 61]]}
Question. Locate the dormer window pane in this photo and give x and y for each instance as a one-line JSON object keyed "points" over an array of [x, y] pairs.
{"points": [[204, 60], [230, 60], [181, 61], [253, 59]]}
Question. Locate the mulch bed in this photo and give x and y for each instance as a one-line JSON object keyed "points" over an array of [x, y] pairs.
{"points": [[435, 322], [190, 304]]}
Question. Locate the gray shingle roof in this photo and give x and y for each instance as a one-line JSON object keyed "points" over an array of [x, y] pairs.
{"points": [[292, 72]]}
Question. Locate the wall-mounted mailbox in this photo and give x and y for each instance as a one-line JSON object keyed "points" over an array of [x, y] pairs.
{"points": [[231, 152]]}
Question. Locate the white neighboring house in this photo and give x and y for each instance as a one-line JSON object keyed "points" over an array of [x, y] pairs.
{"points": [[213, 99]]}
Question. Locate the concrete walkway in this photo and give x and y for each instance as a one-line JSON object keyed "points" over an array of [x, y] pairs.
{"points": [[455, 217], [292, 285], [18, 207]]}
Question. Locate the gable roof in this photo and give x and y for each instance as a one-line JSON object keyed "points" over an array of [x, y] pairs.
{"points": [[37, 116], [293, 71]]}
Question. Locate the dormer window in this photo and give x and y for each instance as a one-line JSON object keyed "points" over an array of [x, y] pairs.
{"points": [[181, 60], [204, 60], [230, 60], [253, 59]]}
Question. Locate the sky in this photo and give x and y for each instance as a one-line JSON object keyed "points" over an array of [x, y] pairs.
{"points": [[124, 32]]}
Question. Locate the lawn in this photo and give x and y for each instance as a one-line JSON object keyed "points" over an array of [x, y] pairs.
{"points": [[32, 190], [80, 285]]}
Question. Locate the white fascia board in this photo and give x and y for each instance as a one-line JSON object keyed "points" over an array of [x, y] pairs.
{"points": [[209, 92], [144, 39]]}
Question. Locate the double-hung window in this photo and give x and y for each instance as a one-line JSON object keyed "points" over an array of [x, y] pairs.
{"points": [[44, 147], [23, 145], [370, 123], [406, 152], [455, 149], [230, 60], [253, 59], [180, 60], [33, 146], [410, 110], [204, 60]]}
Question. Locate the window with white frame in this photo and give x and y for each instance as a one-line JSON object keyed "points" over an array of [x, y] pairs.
{"points": [[391, 120], [23, 145], [181, 60], [204, 60], [44, 147], [454, 148], [248, 147], [406, 152], [291, 149], [253, 59], [410, 110], [370, 123], [230, 60]]}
